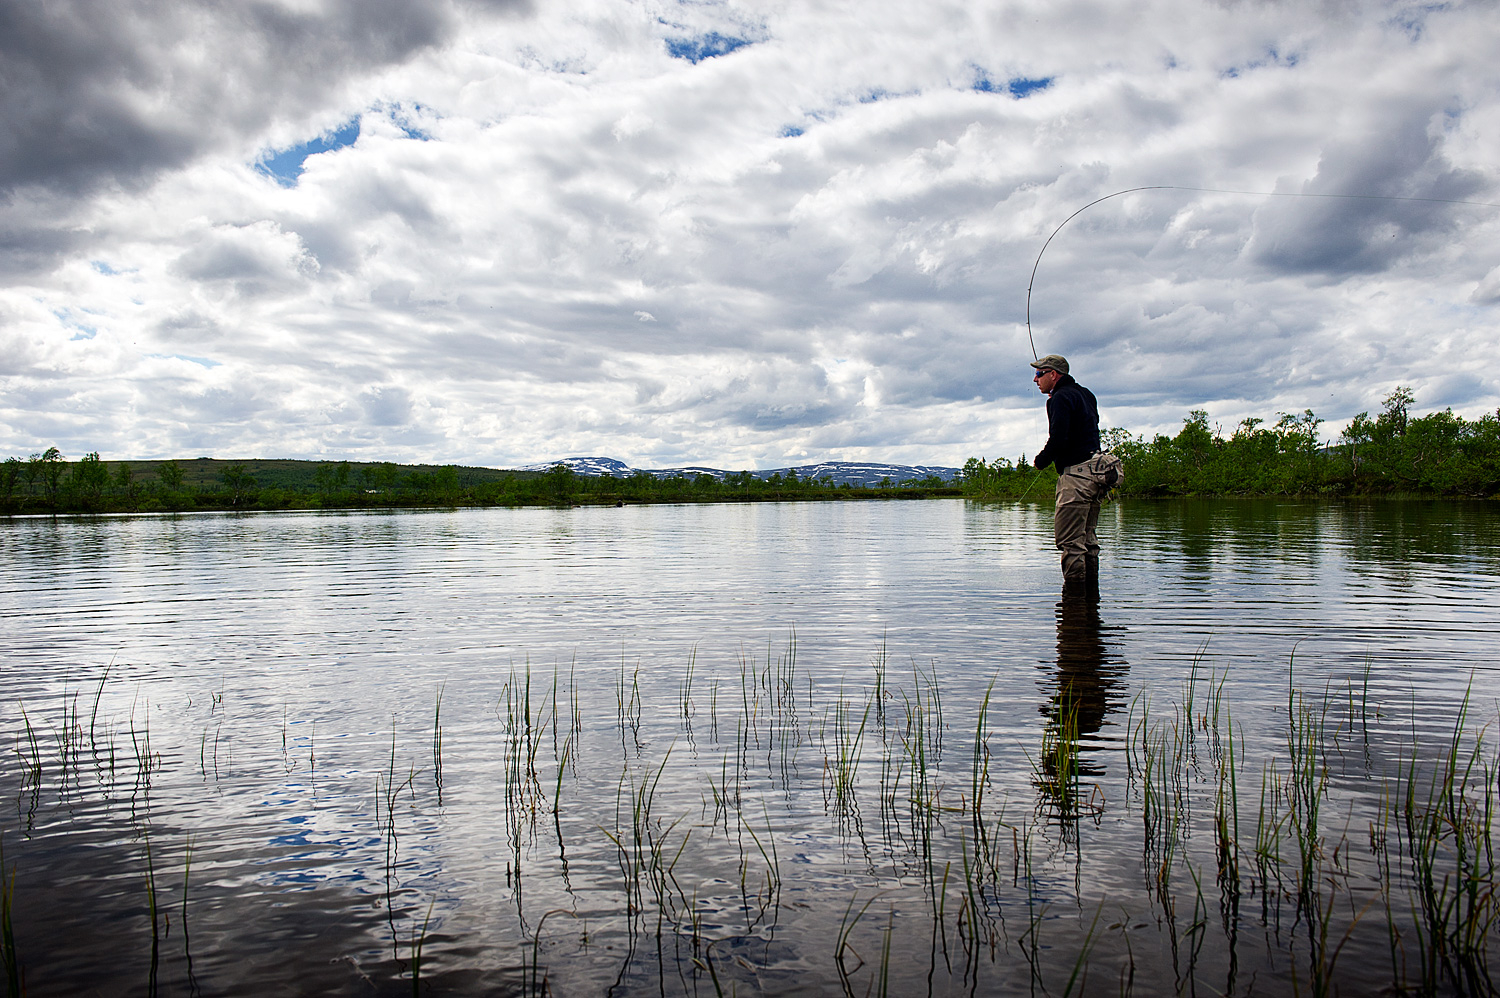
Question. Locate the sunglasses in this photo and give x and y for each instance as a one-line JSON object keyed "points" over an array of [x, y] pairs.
{"points": [[1040, 372]]}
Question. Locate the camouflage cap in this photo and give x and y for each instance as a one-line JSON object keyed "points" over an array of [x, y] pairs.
{"points": [[1051, 362]]}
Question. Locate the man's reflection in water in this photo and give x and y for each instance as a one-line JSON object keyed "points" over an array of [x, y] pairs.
{"points": [[1086, 688]]}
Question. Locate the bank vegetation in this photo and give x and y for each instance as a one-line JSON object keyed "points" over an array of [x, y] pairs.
{"points": [[1393, 454], [47, 483]]}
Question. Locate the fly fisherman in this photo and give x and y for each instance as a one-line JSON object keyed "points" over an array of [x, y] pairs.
{"points": [[1083, 478]]}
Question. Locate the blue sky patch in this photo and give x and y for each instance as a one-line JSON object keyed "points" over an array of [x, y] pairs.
{"points": [[1019, 87], [406, 118], [1272, 58], [1022, 87], [790, 132], [200, 361], [1413, 20], [696, 49], [286, 166], [105, 268], [81, 331]]}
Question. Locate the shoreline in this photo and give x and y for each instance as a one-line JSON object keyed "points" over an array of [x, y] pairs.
{"points": [[205, 503]]}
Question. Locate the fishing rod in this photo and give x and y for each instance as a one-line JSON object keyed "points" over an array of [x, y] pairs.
{"points": [[1213, 190]]}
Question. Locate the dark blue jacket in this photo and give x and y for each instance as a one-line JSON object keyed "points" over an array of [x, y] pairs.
{"points": [[1072, 425]]}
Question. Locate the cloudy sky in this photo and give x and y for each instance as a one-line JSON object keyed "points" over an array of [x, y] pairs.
{"points": [[742, 234]]}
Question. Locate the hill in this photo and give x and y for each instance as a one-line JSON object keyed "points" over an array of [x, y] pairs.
{"points": [[854, 473]]}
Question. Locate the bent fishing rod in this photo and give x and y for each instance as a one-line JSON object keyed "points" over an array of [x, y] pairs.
{"points": [[1214, 190]]}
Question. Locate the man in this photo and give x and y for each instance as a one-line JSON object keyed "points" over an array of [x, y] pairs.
{"points": [[1072, 439]]}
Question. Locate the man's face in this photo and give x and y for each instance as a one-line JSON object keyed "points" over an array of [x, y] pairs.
{"points": [[1046, 380]]}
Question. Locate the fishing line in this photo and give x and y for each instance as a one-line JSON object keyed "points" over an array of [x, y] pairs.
{"points": [[1214, 190]]}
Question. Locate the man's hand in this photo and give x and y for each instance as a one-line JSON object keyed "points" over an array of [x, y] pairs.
{"points": [[1036, 462]]}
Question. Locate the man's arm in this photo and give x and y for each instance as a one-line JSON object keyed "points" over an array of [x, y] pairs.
{"points": [[1065, 407], [1043, 456]]}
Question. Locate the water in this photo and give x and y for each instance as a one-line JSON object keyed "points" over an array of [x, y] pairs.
{"points": [[242, 712]]}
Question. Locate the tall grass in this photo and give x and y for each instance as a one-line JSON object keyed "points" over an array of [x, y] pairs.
{"points": [[982, 852]]}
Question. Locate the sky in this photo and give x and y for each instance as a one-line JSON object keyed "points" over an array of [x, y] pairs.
{"points": [[733, 234]]}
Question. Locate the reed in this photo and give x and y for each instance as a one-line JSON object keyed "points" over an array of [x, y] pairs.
{"points": [[770, 856], [1056, 770], [418, 942], [1306, 785], [628, 703], [1227, 817], [979, 770], [437, 743], [1078, 976], [641, 846], [1030, 941], [883, 979], [525, 732], [843, 949], [15, 974], [187, 943], [152, 910], [94, 713], [685, 690], [1269, 821], [146, 761], [535, 979], [1411, 868], [1448, 829], [841, 766], [1159, 757], [32, 765], [575, 708], [68, 736]]}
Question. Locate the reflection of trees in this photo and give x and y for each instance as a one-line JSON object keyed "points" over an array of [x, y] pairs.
{"points": [[1086, 687], [1378, 538]]}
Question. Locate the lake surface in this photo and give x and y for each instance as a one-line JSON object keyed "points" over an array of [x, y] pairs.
{"points": [[790, 748]]}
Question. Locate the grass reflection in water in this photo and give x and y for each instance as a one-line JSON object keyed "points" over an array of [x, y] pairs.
{"points": [[759, 830]]}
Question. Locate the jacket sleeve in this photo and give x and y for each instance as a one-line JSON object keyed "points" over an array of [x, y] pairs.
{"points": [[1044, 456]]}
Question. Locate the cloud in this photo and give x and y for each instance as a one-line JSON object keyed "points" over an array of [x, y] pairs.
{"points": [[730, 234], [387, 406], [253, 260], [1335, 234], [98, 96], [1487, 292], [115, 93]]}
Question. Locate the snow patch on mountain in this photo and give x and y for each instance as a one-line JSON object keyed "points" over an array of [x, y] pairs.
{"points": [[592, 466], [840, 472]]}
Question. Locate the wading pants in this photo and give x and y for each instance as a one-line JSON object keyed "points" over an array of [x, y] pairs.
{"points": [[1074, 523]]}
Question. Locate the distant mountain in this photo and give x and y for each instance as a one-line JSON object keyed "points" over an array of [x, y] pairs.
{"points": [[852, 472], [593, 466], [864, 472]]}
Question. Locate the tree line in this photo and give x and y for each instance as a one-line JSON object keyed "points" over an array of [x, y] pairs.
{"points": [[46, 482], [1395, 453]]}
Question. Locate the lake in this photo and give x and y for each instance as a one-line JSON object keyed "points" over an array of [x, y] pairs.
{"points": [[772, 748]]}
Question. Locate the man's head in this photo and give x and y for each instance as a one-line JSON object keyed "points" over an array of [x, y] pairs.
{"points": [[1049, 371]]}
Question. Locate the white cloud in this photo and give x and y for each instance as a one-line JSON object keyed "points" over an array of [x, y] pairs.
{"points": [[558, 233]]}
